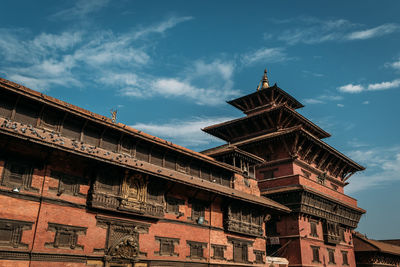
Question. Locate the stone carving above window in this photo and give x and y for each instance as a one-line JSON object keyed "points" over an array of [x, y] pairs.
{"points": [[122, 240], [11, 233], [66, 236]]}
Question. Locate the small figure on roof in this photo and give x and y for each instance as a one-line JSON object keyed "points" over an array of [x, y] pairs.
{"points": [[113, 116], [264, 83]]}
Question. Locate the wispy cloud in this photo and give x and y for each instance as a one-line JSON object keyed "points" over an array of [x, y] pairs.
{"points": [[373, 32], [395, 65], [205, 83], [310, 30], [322, 99], [161, 27], [80, 9], [383, 167], [48, 59], [358, 88], [265, 54], [183, 132]]}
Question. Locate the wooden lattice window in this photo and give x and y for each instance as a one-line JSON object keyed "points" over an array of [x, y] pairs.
{"points": [[17, 174], [315, 253], [11, 233], [196, 249], [198, 211], [344, 257], [67, 184], [259, 256], [66, 236], [218, 252], [331, 255], [342, 234], [173, 205], [167, 246], [240, 249], [313, 226]]}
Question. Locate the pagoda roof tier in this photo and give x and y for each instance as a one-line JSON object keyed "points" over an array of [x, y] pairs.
{"points": [[300, 143], [263, 99], [233, 150], [261, 122]]}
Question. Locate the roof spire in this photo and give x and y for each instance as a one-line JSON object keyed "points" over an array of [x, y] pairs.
{"points": [[264, 83]]}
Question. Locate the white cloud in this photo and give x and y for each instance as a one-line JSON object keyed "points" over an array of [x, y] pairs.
{"points": [[81, 9], [384, 85], [185, 133], [351, 88], [365, 102], [340, 105], [322, 99], [373, 32], [47, 60], [161, 27], [383, 168], [310, 30], [357, 88], [267, 55], [312, 101]]}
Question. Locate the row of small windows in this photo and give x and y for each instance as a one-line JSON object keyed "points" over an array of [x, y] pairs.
{"points": [[331, 256], [79, 129]]}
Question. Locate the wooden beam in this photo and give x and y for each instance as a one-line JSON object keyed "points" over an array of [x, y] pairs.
{"points": [[323, 159], [286, 146], [348, 176], [273, 125], [294, 146], [307, 151], [300, 146], [317, 153], [259, 99], [279, 119]]}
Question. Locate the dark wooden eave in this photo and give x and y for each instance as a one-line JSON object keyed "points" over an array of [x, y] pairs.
{"points": [[229, 150], [261, 122], [263, 98], [363, 244], [300, 131]]}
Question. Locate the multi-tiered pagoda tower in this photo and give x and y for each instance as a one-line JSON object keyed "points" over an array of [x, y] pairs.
{"points": [[284, 151]]}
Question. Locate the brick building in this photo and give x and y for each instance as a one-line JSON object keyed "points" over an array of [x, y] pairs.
{"points": [[300, 171], [79, 189], [373, 253]]}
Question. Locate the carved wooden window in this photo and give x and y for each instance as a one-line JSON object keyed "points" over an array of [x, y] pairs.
{"points": [[170, 161], [240, 252], [7, 101], [108, 181], [331, 256], [173, 204], [127, 145], [157, 157], [198, 211], [259, 256], [66, 236], [344, 257], [155, 191], [67, 184], [110, 140], [196, 249], [218, 252], [11, 233], [17, 174], [269, 174], [91, 134], [72, 127], [27, 111], [142, 151], [51, 118], [167, 246], [315, 253], [181, 164], [313, 226], [195, 170]]}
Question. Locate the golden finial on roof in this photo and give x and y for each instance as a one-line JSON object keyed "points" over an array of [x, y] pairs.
{"points": [[264, 83], [114, 116]]}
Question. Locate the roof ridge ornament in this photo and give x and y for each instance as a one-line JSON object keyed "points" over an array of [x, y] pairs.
{"points": [[264, 83]]}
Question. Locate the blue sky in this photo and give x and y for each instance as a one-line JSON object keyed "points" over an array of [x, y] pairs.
{"points": [[169, 66]]}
